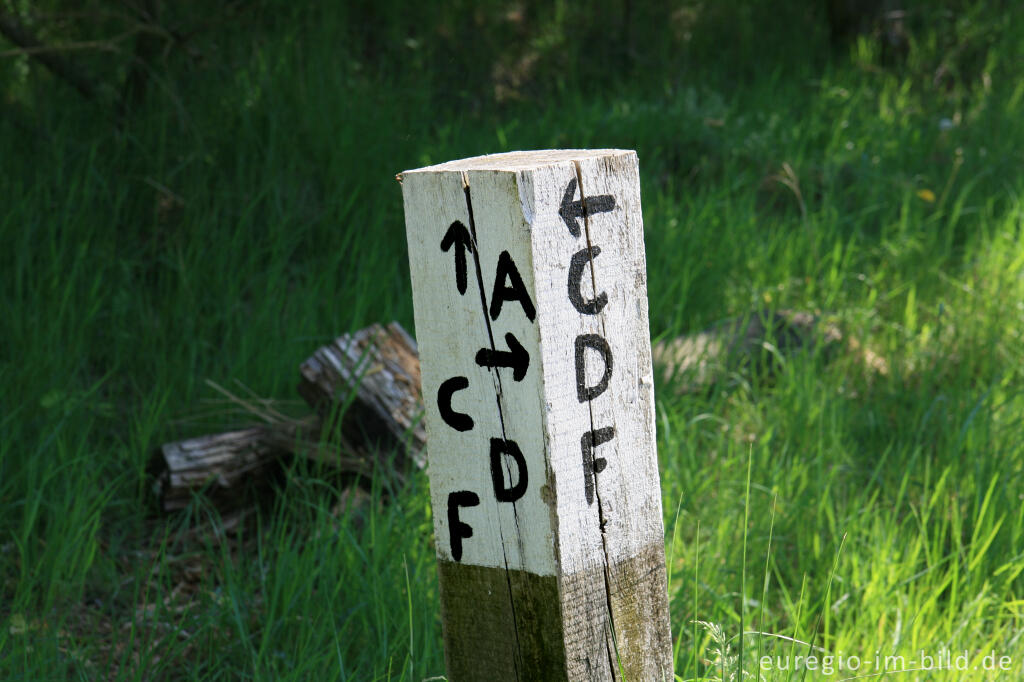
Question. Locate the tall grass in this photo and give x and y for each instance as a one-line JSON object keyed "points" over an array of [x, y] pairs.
{"points": [[246, 213]]}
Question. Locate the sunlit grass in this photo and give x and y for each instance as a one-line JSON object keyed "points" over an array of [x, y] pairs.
{"points": [[862, 503]]}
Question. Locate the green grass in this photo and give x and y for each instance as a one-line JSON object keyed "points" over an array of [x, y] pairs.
{"points": [[247, 213]]}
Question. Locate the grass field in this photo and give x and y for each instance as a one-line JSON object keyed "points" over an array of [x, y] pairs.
{"points": [[246, 213]]}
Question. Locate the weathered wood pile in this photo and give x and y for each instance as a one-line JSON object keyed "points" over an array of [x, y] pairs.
{"points": [[364, 390], [378, 371], [220, 461]]}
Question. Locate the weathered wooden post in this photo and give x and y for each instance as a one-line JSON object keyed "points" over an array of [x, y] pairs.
{"points": [[530, 293]]}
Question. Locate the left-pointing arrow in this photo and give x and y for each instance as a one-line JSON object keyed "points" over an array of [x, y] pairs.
{"points": [[571, 211], [515, 357], [458, 236]]}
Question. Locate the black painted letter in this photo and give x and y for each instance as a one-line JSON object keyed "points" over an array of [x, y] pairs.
{"points": [[516, 292], [592, 466], [457, 420], [507, 447], [457, 529], [584, 341], [576, 267]]}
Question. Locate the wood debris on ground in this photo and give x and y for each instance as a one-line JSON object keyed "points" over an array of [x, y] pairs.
{"points": [[218, 461], [382, 365], [364, 389]]}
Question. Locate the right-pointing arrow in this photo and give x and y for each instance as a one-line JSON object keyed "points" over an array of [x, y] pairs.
{"points": [[515, 357]]}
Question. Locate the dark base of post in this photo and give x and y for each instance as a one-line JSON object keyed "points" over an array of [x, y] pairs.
{"points": [[485, 640], [508, 625]]}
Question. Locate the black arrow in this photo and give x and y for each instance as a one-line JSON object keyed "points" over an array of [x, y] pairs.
{"points": [[458, 235], [515, 357], [570, 211]]}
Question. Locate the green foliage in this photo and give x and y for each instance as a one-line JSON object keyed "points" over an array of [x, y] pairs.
{"points": [[239, 210]]}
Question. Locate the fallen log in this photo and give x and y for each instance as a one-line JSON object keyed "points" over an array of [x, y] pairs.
{"points": [[371, 378], [215, 463]]}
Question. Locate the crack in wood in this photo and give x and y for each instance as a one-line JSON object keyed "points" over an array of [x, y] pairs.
{"points": [[593, 427], [496, 379]]}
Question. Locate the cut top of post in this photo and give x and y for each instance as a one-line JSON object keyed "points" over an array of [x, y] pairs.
{"points": [[519, 161]]}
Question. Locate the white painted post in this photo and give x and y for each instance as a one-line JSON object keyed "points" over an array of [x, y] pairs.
{"points": [[530, 292]]}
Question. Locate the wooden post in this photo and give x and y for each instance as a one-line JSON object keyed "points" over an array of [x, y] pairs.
{"points": [[530, 294]]}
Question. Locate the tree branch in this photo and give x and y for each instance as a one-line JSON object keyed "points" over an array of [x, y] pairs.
{"points": [[15, 32]]}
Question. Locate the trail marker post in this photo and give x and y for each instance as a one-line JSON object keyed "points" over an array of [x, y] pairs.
{"points": [[530, 294]]}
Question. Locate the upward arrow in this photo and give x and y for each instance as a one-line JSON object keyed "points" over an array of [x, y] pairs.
{"points": [[570, 211], [458, 236]]}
